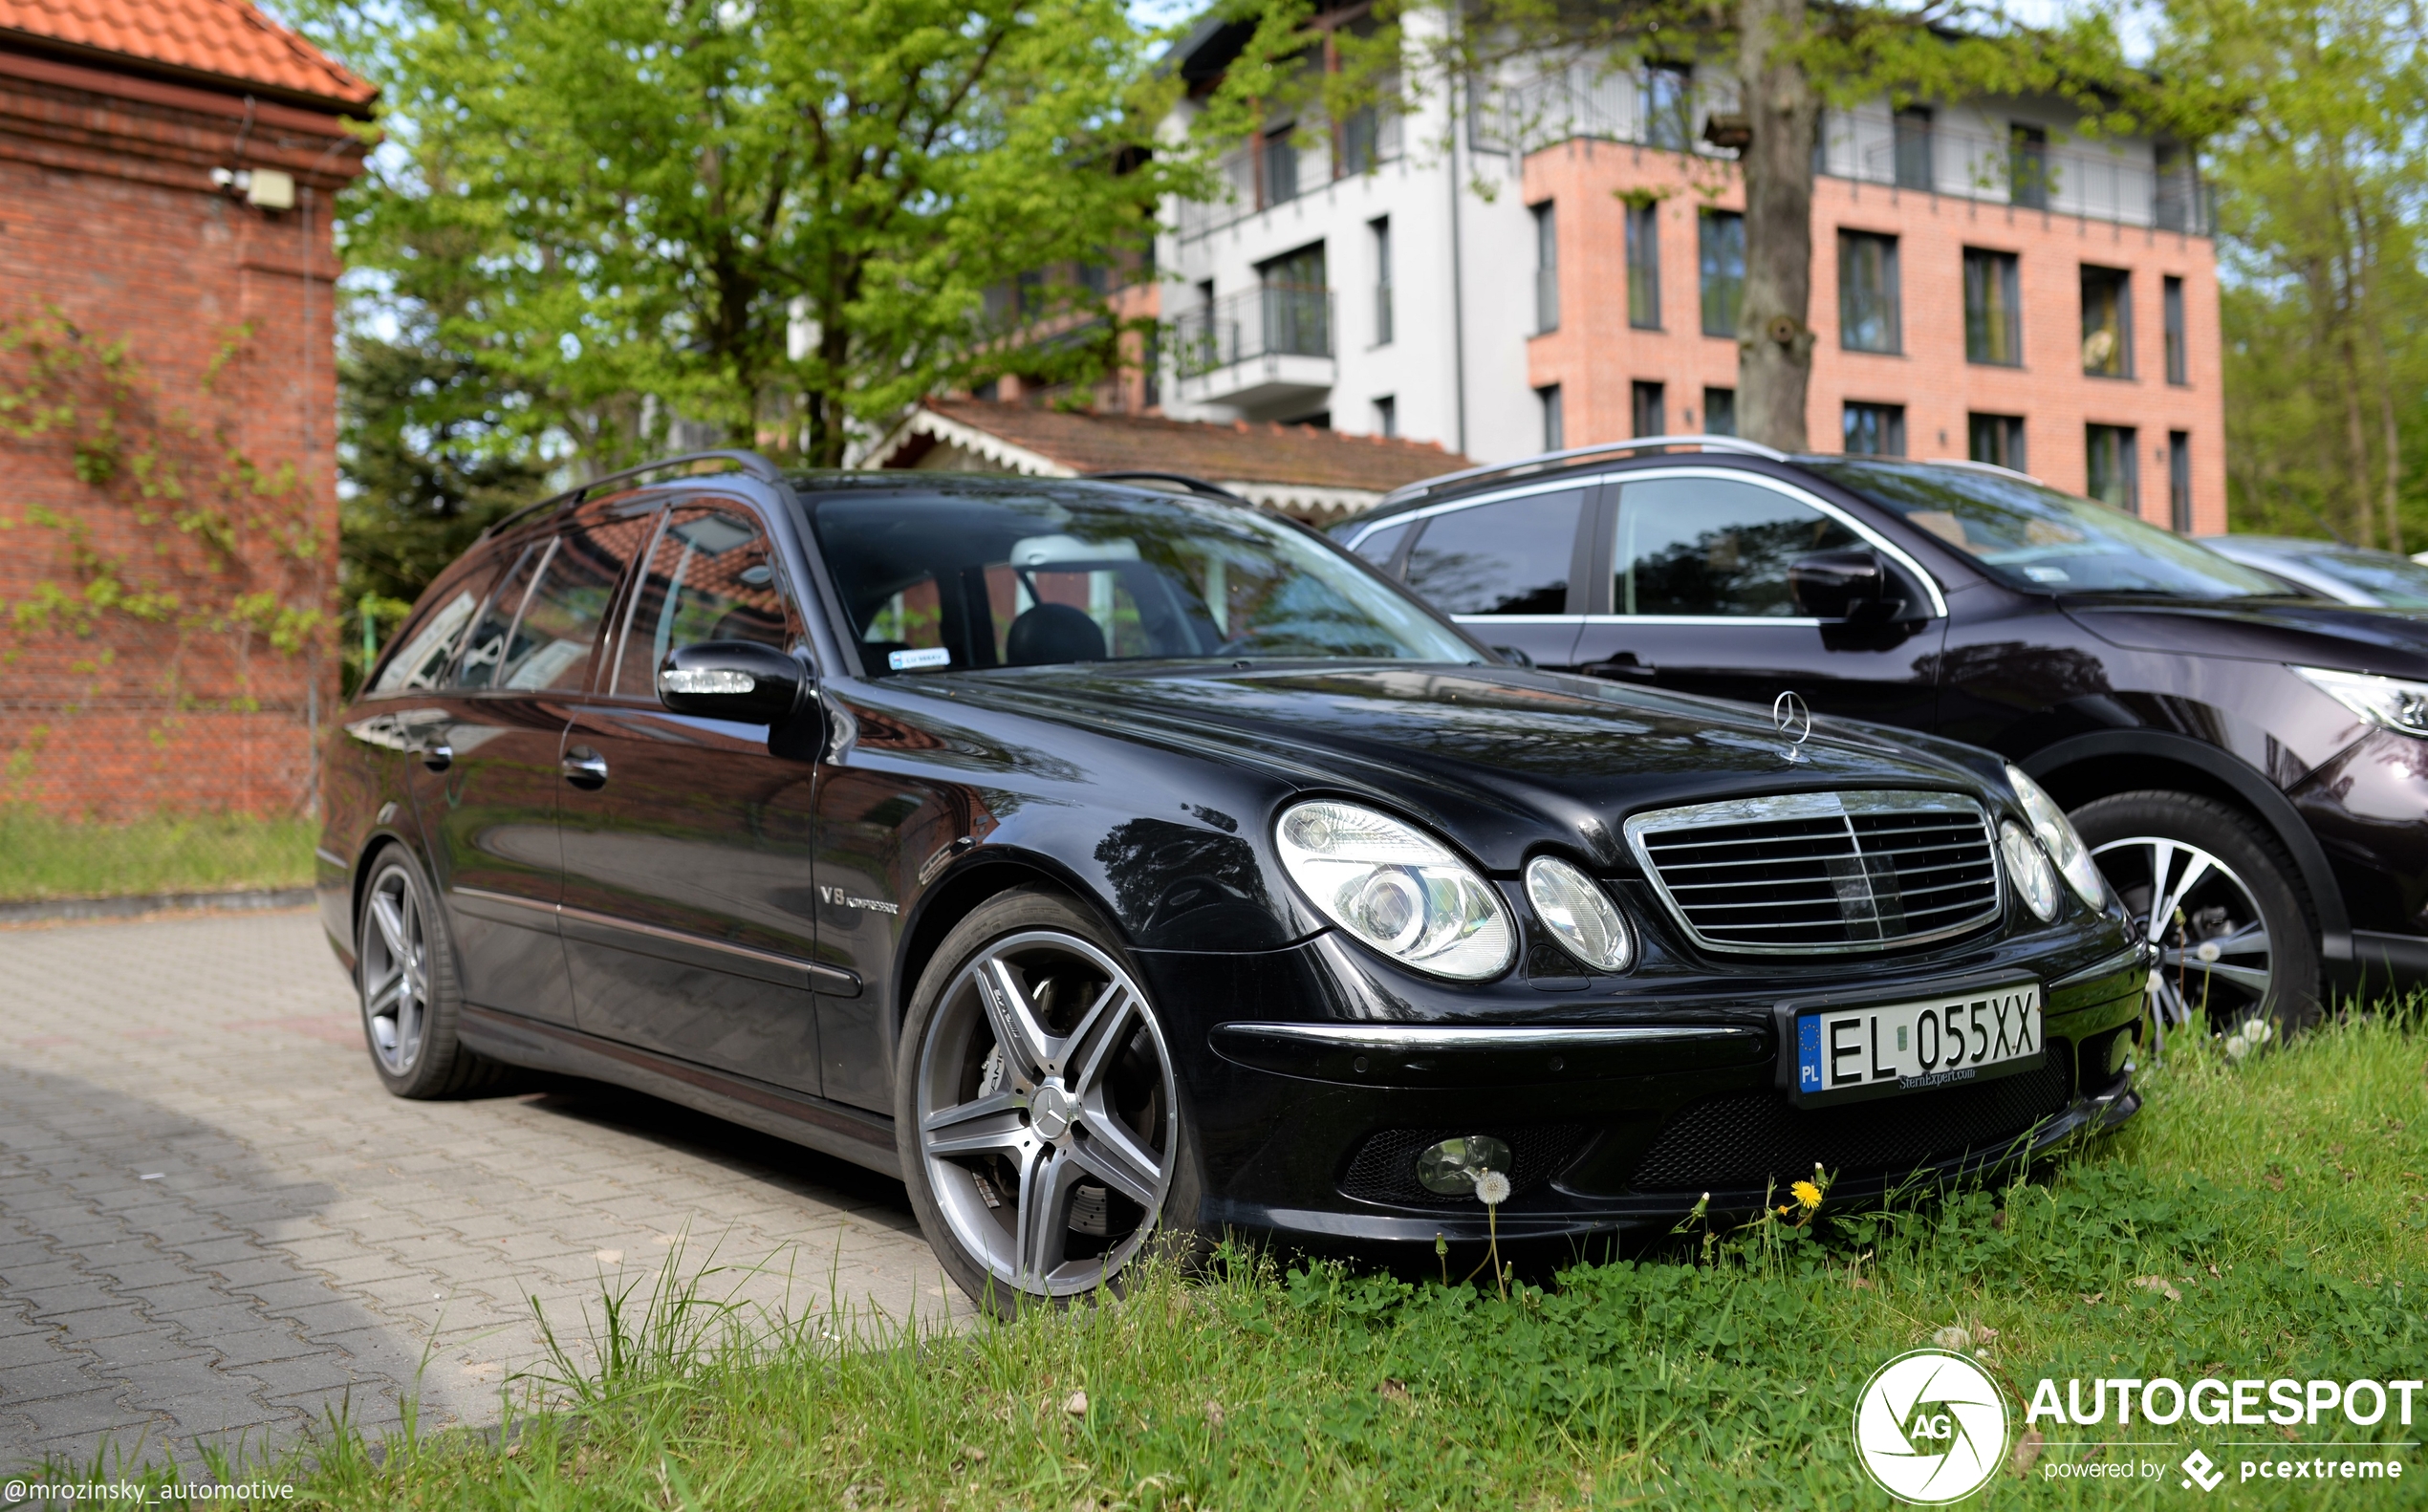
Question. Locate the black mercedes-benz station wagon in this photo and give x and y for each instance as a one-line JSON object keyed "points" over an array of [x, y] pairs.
{"points": [[2249, 764], [1106, 861]]}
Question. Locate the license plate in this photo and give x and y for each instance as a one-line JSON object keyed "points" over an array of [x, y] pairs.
{"points": [[1843, 1054]]}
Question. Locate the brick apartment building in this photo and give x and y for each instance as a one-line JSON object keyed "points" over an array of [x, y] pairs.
{"points": [[1988, 283], [167, 173]]}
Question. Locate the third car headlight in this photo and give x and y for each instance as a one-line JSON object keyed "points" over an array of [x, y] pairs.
{"points": [[2058, 838], [1397, 889], [2386, 703], [1578, 914], [2030, 869]]}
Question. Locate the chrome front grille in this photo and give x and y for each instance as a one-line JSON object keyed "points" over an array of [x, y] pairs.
{"points": [[1822, 871]]}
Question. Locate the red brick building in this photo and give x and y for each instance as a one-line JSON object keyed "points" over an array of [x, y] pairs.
{"points": [[167, 402], [2001, 371]]}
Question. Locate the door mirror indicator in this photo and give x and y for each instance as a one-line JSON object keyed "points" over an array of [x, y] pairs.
{"points": [[732, 679], [1852, 585]]}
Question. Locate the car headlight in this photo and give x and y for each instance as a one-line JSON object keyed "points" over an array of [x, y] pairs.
{"points": [[1579, 913], [1397, 889], [2027, 866], [2058, 838], [2388, 703]]}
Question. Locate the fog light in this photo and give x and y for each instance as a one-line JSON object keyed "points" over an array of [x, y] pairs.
{"points": [[1453, 1167]]}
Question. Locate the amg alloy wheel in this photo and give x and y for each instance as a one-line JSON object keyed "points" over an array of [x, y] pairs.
{"points": [[1043, 1123], [405, 968], [2234, 943]]}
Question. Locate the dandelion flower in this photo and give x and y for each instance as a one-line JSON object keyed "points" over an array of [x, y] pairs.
{"points": [[1808, 1196], [2237, 1046], [2257, 1033], [1493, 1189], [1955, 1337]]}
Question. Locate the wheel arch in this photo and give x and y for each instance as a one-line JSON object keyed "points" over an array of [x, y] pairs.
{"points": [[953, 897], [2085, 768], [377, 841]]}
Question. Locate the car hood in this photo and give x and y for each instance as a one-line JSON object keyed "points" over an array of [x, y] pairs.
{"points": [[1501, 758], [2310, 632]]}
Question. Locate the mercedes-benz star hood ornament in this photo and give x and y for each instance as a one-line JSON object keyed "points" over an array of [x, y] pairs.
{"points": [[1795, 720]]}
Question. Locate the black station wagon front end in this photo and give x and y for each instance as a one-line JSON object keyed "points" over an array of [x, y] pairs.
{"points": [[1109, 863]]}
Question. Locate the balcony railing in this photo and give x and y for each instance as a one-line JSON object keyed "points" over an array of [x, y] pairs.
{"points": [[1276, 320], [2086, 181], [1366, 143]]}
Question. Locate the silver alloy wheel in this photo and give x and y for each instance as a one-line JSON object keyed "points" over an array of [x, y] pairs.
{"points": [[394, 971], [2214, 951], [1048, 1120]]}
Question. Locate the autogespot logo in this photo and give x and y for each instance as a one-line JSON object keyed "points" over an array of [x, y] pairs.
{"points": [[1931, 1427]]}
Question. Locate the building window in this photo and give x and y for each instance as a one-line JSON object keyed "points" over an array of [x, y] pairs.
{"points": [[1668, 102], [1997, 440], [1723, 237], [1382, 281], [1554, 425], [2179, 367], [1993, 309], [1359, 137], [2111, 466], [2107, 322], [1874, 430], [1643, 266], [1914, 168], [1547, 268], [1867, 293], [1387, 416], [2027, 166], [1297, 303], [1650, 411], [1719, 412], [2179, 480], [1281, 166]]}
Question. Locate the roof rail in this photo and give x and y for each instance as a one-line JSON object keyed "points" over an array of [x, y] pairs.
{"points": [[1196, 485], [1545, 461], [749, 462]]}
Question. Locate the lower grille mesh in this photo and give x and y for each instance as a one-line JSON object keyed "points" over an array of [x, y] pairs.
{"points": [[1385, 1166], [1739, 1143]]}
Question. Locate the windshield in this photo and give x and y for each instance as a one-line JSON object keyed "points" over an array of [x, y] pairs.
{"points": [[2396, 582], [1006, 577], [2031, 537]]}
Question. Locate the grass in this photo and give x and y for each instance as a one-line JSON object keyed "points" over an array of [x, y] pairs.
{"points": [[2277, 1203], [45, 858]]}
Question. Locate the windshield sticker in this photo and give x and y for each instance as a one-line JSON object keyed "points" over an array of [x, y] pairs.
{"points": [[913, 660]]}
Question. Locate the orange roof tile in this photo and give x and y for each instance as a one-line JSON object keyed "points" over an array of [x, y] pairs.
{"points": [[224, 41], [1238, 452]]}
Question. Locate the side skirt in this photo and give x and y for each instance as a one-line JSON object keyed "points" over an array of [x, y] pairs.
{"points": [[850, 1133]]}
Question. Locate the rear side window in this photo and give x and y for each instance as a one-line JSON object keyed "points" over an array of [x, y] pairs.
{"points": [[1509, 557], [711, 576], [540, 628], [436, 629], [1380, 547], [486, 646]]}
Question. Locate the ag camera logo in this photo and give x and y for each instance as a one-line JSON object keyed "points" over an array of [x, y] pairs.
{"points": [[1931, 1428]]}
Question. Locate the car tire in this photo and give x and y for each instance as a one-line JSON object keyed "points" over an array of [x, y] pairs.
{"points": [[405, 981], [1037, 1108], [2221, 898]]}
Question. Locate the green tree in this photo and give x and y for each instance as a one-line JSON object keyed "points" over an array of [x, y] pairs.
{"points": [[2321, 187], [779, 217]]}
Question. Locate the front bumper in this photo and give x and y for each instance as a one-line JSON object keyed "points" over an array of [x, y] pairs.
{"points": [[1314, 1077]]}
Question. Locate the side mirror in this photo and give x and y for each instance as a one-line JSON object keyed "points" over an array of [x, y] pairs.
{"points": [[1852, 585], [1514, 656], [732, 679]]}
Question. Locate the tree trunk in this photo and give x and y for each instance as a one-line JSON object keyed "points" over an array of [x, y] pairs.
{"points": [[1775, 343]]}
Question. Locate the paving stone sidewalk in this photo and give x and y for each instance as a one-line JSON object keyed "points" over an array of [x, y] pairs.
{"points": [[217, 1227]]}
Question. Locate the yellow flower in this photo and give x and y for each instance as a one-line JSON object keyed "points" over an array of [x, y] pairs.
{"points": [[1807, 1195]]}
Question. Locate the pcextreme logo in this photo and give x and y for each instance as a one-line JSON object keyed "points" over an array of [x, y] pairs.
{"points": [[1931, 1427]]}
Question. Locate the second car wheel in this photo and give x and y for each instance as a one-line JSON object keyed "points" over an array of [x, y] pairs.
{"points": [[1039, 1122], [404, 967], [2220, 897]]}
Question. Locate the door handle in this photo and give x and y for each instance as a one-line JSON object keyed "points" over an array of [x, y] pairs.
{"points": [[585, 769], [438, 756], [1623, 665]]}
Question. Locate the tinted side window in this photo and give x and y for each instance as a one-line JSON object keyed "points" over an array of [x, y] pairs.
{"points": [[1511, 557], [711, 576], [1707, 546], [561, 625], [1380, 547], [485, 647], [430, 636]]}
